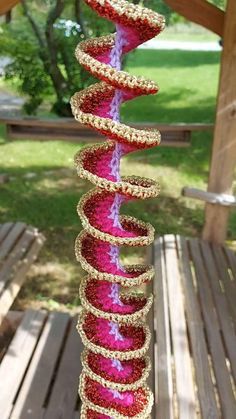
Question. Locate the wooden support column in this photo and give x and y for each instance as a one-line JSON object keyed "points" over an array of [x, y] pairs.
{"points": [[224, 145]]}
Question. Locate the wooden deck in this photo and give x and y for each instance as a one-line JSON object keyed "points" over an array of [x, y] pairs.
{"points": [[19, 247], [39, 372], [195, 320], [194, 343]]}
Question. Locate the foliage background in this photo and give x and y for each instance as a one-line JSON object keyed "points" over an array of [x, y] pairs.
{"points": [[41, 40]]}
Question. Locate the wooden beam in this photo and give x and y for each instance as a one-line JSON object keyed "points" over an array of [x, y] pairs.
{"points": [[201, 12], [211, 197], [6, 5], [224, 145]]}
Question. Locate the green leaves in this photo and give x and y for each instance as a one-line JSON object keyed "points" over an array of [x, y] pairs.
{"points": [[43, 67]]}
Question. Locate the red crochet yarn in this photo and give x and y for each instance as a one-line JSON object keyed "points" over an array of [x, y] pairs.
{"points": [[112, 327]]}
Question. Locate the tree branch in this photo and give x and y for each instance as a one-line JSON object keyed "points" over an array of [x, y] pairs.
{"points": [[79, 17], [33, 24], [58, 79]]}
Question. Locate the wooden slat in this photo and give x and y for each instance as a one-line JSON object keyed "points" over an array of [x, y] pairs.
{"points": [[231, 256], [64, 395], [183, 369], [4, 230], [213, 198], [70, 130], [10, 239], [204, 383], [16, 360], [169, 137], [11, 321], [72, 123], [9, 293], [15, 256], [34, 389], [228, 283], [213, 335], [164, 385], [221, 305], [150, 321]]}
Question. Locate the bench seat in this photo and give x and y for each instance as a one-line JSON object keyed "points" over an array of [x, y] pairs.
{"points": [[19, 247], [173, 135], [194, 324], [194, 363]]}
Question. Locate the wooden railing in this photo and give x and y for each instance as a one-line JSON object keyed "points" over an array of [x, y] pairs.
{"points": [[173, 135]]}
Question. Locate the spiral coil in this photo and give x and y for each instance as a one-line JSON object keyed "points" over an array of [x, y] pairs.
{"points": [[112, 328]]}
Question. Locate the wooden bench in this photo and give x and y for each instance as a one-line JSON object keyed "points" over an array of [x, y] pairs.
{"points": [[195, 321], [19, 247], [178, 135], [194, 343]]}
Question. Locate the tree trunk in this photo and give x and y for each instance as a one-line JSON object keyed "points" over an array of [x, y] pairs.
{"points": [[58, 80], [79, 17], [48, 53]]}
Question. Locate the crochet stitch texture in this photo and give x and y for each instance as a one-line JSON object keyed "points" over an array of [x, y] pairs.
{"points": [[112, 323]]}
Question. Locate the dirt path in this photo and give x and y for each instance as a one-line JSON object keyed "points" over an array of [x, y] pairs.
{"points": [[10, 104]]}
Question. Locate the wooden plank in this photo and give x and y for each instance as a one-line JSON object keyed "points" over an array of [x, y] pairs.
{"points": [[72, 123], [224, 144], [226, 395], [70, 130], [64, 394], [11, 263], [231, 257], [17, 357], [221, 305], [205, 386], [10, 239], [50, 136], [149, 289], [32, 395], [11, 322], [183, 369], [76, 415], [164, 385], [213, 198], [229, 284], [8, 295], [7, 5], [4, 230], [200, 12], [169, 138]]}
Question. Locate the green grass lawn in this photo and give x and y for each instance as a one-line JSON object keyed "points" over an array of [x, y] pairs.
{"points": [[44, 188], [188, 32]]}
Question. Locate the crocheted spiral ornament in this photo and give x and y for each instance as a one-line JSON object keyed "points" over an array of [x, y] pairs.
{"points": [[112, 323]]}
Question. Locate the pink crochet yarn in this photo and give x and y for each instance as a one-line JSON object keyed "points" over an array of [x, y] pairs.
{"points": [[112, 323]]}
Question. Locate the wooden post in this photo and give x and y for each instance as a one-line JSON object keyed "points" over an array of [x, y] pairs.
{"points": [[224, 145]]}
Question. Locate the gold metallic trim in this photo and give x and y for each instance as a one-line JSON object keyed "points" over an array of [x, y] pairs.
{"points": [[139, 315], [114, 385], [146, 271], [121, 355], [114, 240], [113, 412]]}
